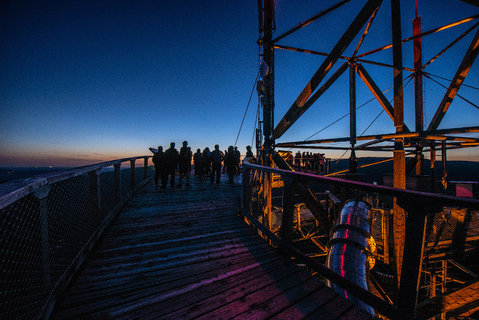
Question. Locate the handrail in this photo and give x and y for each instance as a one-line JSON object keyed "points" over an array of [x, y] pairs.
{"points": [[379, 304], [424, 197], [418, 206], [15, 190], [55, 220]]}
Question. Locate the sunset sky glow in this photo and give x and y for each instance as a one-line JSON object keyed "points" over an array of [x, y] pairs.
{"points": [[90, 81]]}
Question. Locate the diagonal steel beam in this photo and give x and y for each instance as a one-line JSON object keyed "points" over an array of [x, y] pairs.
{"points": [[324, 54], [456, 82], [313, 204], [365, 32], [473, 2], [305, 23], [377, 93], [447, 26], [334, 55], [293, 114]]}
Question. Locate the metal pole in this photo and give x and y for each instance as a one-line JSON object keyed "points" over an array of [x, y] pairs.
{"points": [[268, 103], [268, 80], [399, 162], [433, 164], [352, 116], [444, 166], [416, 24]]}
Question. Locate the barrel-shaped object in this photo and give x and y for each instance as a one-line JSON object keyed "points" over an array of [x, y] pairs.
{"points": [[348, 250]]}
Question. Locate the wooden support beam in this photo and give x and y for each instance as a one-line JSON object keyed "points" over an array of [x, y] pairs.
{"points": [[456, 82], [328, 63]]}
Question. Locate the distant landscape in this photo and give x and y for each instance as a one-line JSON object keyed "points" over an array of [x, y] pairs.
{"points": [[457, 170], [14, 173]]}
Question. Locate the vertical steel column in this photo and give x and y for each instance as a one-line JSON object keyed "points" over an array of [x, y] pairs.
{"points": [[433, 165], [353, 168], [416, 24], [413, 256], [444, 166], [268, 58], [399, 160], [444, 284], [268, 103], [288, 210]]}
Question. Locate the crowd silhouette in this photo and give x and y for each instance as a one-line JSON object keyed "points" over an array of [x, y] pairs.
{"points": [[206, 163]]}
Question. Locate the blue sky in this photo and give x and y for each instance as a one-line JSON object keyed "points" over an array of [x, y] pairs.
{"points": [[87, 81]]}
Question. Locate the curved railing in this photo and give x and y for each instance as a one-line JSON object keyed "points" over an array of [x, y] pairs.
{"points": [[418, 206], [48, 225]]}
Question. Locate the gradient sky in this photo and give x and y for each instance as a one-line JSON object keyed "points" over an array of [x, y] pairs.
{"points": [[88, 81]]}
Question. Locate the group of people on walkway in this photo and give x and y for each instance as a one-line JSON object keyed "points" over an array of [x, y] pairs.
{"points": [[308, 161], [206, 163]]}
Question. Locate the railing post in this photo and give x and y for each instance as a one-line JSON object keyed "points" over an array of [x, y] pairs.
{"points": [[267, 181], [412, 256], [132, 182], [42, 196], [246, 189], [145, 168], [95, 194], [117, 182], [288, 209]]}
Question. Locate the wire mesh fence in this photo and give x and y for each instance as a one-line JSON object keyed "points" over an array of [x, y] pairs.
{"points": [[446, 264], [43, 233]]}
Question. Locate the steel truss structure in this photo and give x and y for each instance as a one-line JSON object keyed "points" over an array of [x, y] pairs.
{"points": [[415, 139]]}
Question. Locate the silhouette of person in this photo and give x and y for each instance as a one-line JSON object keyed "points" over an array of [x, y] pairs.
{"points": [[185, 164], [237, 155], [172, 158], [206, 161], [158, 158], [230, 164], [297, 160], [249, 153], [199, 165], [216, 159]]}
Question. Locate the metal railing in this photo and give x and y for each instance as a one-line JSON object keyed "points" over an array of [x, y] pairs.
{"points": [[417, 205], [49, 224]]}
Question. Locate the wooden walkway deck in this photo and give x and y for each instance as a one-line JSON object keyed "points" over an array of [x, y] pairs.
{"points": [[183, 254]]}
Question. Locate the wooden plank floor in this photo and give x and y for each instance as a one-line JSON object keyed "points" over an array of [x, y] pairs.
{"points": [[184, 254]]}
